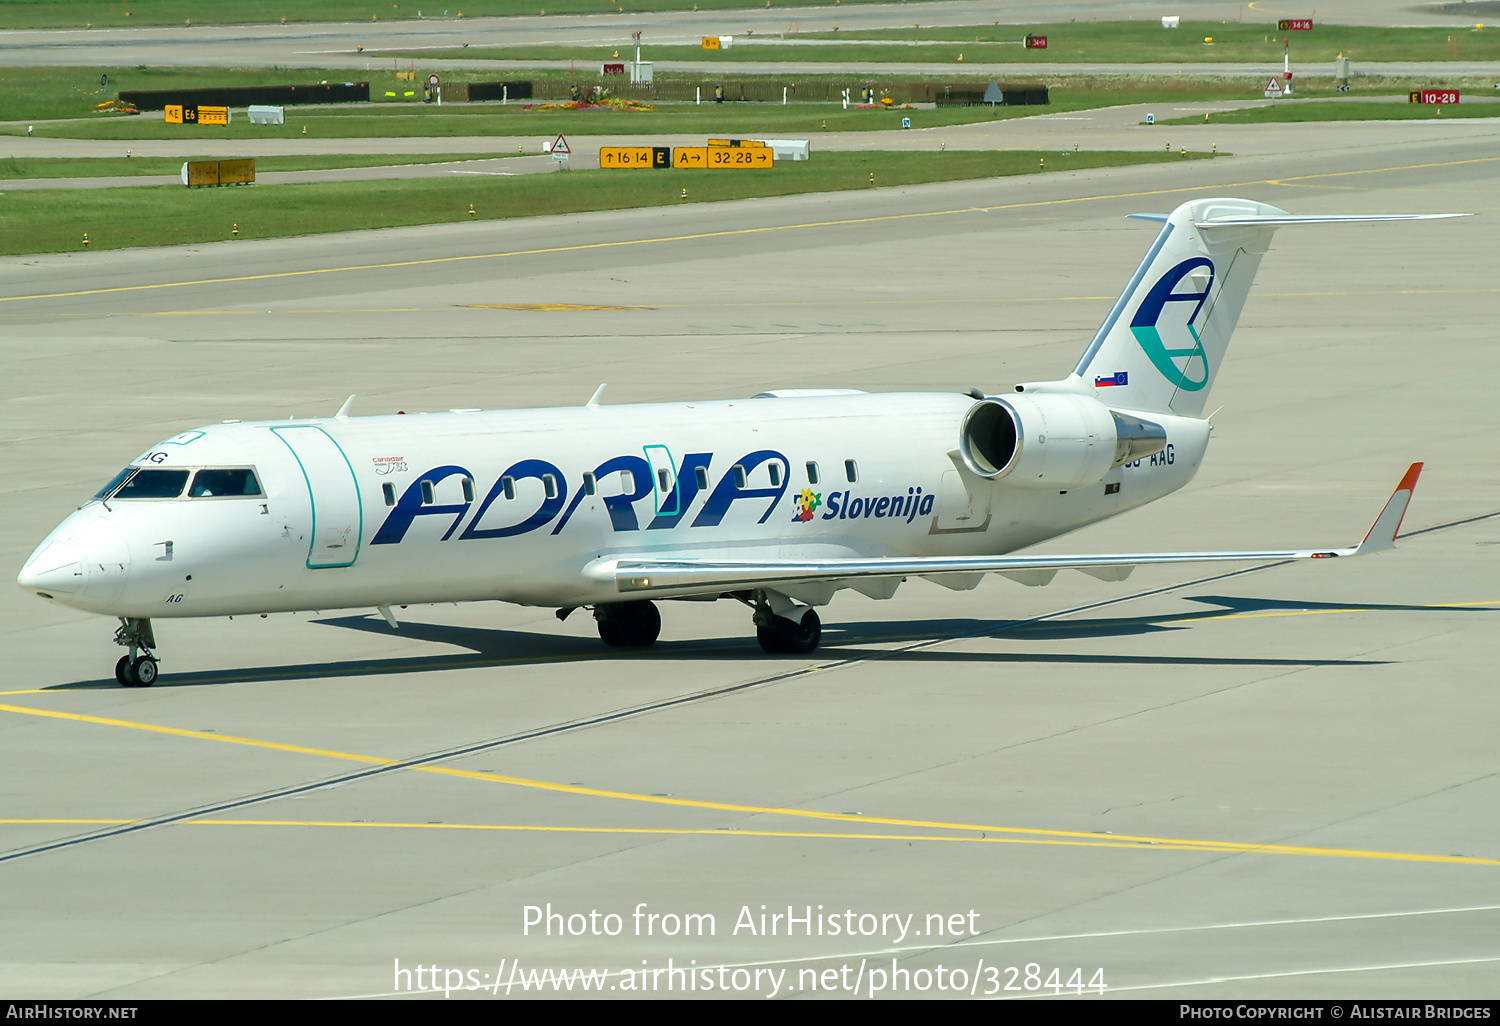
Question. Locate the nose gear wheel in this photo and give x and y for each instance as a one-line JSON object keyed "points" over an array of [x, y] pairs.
{"points": [[139, 668]]}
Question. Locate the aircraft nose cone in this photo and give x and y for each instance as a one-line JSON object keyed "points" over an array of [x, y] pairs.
{"points": [[54, 569]]}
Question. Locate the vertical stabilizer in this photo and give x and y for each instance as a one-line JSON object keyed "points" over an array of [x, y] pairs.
{"points": [[1161, 345]]}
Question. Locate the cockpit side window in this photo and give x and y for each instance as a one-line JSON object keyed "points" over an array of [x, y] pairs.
{"points": [[238, 481], [153, 484], [114, 483]]}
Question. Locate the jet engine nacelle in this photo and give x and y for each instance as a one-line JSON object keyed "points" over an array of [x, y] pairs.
{"points": [[1053, 439]]}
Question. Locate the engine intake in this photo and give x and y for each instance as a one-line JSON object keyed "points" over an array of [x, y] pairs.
{"points": [[1053, 439]]}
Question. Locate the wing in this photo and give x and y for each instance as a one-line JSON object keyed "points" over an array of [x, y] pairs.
{"points": [[679, 575]]}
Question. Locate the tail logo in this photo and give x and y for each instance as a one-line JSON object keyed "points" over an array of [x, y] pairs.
{"points": [[1191, 374]]}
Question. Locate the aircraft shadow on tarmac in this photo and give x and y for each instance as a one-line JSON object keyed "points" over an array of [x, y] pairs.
{"points": [[841, 642]]}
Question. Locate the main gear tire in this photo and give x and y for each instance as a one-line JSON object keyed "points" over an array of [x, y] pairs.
{"points": [[629, 624], [783, 636]]}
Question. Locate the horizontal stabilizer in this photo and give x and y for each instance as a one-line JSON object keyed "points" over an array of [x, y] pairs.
{"points": [[701, 575], [1283, 220]]}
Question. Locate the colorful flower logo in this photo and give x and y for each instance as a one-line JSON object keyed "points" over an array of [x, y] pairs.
{"points": [[808, 503]]}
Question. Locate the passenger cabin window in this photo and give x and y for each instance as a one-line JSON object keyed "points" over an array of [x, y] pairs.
{"points": [[664, 480], [508, 484], [701, 473], [775, 475], [153, 484], [389, 491], [851, 471], [468, 489], [590, 484], [812, 472], [627, 483], [739, 476], [427, 496], [213, 483]]}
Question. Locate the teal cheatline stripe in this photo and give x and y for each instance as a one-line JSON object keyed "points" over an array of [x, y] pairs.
{"points": [[1162, 357]]}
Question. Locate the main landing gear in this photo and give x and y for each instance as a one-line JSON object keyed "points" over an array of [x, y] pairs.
{"points": [[138, 669], [628, 624], [780, 635], [638, 624]]}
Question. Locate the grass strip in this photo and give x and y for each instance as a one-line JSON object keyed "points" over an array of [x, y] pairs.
{"points": [[1127, 42], [1333, 110], [795, 120], [33, 96], [1146, 41], [23, 14], [47, 221], [367, 121], [112, 167]]}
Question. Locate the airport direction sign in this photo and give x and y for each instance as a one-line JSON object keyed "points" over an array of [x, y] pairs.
{"points": [[635, 156], [1294, 25], [1438, 96], [718, 154], [710, 42], [1036, 42], [189, 114], [740, 156]]}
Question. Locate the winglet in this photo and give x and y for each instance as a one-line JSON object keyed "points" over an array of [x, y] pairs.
{"points": [[596, 397], [343, 413], [1383, 532]]}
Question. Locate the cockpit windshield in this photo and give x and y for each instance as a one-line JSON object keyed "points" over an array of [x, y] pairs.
{"points": [[151, 483]]}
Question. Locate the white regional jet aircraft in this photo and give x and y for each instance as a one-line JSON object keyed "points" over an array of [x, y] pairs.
{"points": [[778, 501]]}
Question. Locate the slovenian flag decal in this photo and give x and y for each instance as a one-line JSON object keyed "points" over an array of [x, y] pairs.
{"points": [[1117, 378]]}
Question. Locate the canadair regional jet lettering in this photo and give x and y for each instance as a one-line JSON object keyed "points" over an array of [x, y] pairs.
{"points": [[778, 501]]}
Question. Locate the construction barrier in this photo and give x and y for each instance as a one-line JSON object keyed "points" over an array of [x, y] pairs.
{"points": [[788, 149], [498, 90], [244, 96]]}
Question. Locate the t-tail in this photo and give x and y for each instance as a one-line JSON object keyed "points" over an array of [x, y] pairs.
{"points": [[1160, 348]]}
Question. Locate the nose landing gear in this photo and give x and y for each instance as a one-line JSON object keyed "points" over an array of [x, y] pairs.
{"points": [[138, 669]]}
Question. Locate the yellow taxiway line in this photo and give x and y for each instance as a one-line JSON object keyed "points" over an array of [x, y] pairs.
{"points": [[1016, 834]]}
